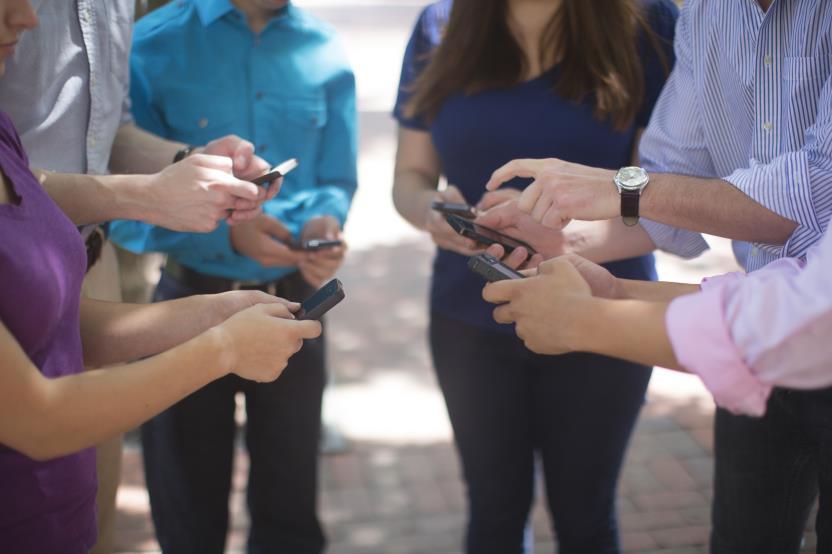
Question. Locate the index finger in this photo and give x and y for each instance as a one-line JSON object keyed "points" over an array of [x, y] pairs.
{"points": [[274, 188], [501, 292], [514, 168]]}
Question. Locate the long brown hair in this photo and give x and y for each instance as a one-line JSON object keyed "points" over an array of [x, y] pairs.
{"points": [[596, 42]]}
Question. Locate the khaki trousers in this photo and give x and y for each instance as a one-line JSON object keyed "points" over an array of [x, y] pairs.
{"points": [[102, 283]]}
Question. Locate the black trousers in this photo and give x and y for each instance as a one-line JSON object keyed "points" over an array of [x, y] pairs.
{"points": [[507, 403], [769, 472], [189, 450]]}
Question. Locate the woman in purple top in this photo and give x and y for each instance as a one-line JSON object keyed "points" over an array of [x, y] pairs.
{"points": [[50, 412]]}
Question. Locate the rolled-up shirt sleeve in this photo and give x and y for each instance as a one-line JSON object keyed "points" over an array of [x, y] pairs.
{"points": [[797, 185], [674, 142], [744, 335]]}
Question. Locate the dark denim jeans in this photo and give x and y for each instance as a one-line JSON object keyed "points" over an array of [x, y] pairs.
{"points": [[506, 403], [189, 448], [768, 474]]}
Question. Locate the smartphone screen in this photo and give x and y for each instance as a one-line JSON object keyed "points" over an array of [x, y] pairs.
{"points": [[276, 172]]}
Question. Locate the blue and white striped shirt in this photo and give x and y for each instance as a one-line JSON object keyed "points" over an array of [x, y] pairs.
{"points": [[750, 101]]}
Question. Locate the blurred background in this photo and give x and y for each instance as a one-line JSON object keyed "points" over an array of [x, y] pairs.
{"points": [[397, 488]]}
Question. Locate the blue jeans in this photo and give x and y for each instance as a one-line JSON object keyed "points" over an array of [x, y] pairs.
{"points": [[189, 450], [507, 403], [768, 474]]}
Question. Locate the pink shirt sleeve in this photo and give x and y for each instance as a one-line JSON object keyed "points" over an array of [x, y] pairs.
{"points": [[744, 335]]}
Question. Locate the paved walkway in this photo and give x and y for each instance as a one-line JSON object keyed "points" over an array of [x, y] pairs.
{"points": [[398, 490]]}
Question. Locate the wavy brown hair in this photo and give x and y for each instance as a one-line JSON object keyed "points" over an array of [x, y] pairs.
{"points": [[596, 42]]}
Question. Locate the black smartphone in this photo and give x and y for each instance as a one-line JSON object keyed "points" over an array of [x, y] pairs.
{"points": [[485, 235], [327, 297], [492, 269], [276, 172], [455, 208], [314, 245]]}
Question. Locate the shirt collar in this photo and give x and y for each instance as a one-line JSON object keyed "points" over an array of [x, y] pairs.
{"points": [[211, 10]]}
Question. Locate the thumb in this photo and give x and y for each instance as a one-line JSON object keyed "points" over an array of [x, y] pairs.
{"points": [[243, 154], [277, 309], [309, 329], [236, 187], [452, 194]]}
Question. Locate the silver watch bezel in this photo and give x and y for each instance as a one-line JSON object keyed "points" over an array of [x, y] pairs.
{"points": [[628, 184]]}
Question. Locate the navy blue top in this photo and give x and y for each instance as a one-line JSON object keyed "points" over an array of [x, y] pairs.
{"points": [[476, 134]]}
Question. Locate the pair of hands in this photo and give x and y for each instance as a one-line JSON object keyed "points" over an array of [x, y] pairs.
{"points": [[266, 240], [544, 305], [258, 333], [209, 186], [497, 210]]}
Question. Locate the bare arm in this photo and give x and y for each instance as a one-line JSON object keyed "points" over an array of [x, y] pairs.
{"points": [[46, 418], [114, 332], [137, 151], [415, 184], [713, 206]]}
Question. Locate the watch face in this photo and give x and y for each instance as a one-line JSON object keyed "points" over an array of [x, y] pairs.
{"points": [[632, 178]]}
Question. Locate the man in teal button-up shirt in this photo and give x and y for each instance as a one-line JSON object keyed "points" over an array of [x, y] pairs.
{"points": [[268, 72]]}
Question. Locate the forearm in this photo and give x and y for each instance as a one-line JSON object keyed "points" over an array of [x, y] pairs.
{"points": [[137, 151], [64, 415], [89, 199], [412, 193], [652, 291], [113, 332], [607, 241], [632, 330], [712, 206]]}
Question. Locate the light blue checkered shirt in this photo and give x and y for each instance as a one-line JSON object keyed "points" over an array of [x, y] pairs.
{"points": [[750, 101]]}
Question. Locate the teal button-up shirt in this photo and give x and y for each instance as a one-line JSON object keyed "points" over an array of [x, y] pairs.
{"points": [[198, 73]]}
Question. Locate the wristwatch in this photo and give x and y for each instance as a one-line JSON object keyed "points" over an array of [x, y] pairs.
{"points": [[183, 153], [630, 182]]}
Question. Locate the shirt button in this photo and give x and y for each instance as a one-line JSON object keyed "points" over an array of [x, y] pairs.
{"points": [[767, 126], [767, 60], [203, 122], [261, 148], [258, 96]]}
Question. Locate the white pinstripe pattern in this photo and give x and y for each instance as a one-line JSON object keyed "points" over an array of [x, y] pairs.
{"points": [[750, 101]]}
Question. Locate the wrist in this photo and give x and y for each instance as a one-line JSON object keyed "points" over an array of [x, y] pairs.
{"points": [[130, 196], [582, 331], [219, 343]]}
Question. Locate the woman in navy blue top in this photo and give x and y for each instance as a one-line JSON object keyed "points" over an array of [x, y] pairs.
{"points": [[478, 77]]}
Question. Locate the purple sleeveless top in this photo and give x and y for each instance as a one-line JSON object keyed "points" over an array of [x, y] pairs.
{"points": [[45, 507]]}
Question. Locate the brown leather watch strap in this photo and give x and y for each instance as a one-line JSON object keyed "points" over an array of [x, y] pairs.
{"points": [[629, 206]]}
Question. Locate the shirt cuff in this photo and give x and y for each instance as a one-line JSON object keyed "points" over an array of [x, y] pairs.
{"points": [[702, 344], [681, 242]]}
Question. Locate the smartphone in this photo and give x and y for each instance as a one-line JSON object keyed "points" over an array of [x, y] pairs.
{"points": [[492, 269], [453, 208], [322, 301], [314, 245], [485, 235], [276, 172]]}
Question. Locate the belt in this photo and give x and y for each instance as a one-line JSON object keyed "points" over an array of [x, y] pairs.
{"points": [[211, 284]]}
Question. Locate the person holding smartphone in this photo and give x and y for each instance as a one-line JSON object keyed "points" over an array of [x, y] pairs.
{"points": [[282, 81], [478, 77], [52, 411]]}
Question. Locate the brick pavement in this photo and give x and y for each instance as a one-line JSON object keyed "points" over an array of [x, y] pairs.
{"points": [[398, 489]]}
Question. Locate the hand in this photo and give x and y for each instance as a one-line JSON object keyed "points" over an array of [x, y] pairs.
{"points": [[265, 240], [318, 267], [509, 219], [258, 341], [544, 307], [443, 234], [497, 197], [226, 304], [562, 191], [196, 194], [247, 165]]}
